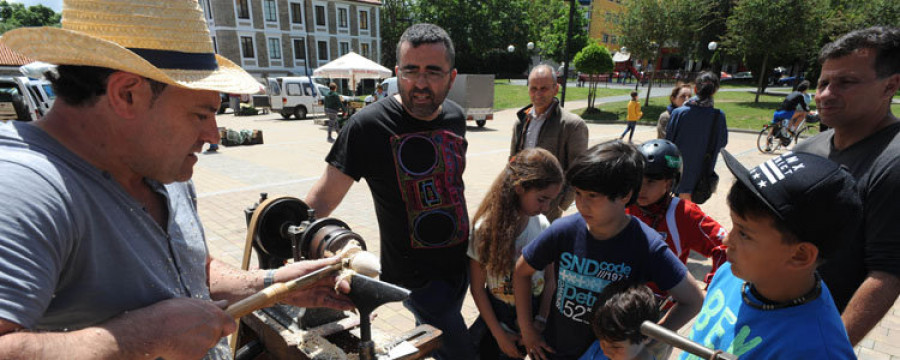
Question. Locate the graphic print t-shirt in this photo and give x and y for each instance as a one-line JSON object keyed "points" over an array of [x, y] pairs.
{"points": [[414, 170], [810, 331], [585, 266]]}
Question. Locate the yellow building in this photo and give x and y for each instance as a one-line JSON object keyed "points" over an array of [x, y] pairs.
{"points": [[604, 15]]}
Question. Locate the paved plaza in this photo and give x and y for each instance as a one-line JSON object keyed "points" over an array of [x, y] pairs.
{"points": [[292, 159]]}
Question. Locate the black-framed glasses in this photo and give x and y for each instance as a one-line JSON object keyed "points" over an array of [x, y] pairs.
{"points": [[430, 75]]}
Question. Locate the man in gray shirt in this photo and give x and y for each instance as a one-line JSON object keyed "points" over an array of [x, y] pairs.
{"points": [[860, 75], [102, 254]]}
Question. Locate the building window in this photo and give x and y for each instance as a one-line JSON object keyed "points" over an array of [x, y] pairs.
{"points": [[320, 15], [363, 20], [345, 48], [247, 47], [605, 38], [343, 18], [243, 9], [364, 50], [271, 14], [323, 50], [296, 13], [274, 49], [299, 49]]}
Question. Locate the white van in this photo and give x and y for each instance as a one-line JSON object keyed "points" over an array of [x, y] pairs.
{"points": [[389, 86], [293, 96], [24, 99]]}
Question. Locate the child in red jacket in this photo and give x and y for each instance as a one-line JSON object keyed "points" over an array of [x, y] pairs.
{"points": [[682, 223]]}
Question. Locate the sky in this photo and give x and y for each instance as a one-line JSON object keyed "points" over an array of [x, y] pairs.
{"points": [[56, 5]]}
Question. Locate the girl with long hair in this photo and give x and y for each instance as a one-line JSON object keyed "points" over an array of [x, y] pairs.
{"points": [[509, 218]]}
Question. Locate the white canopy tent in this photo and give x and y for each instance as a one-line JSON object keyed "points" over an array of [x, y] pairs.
{"points": [[354, 67]]}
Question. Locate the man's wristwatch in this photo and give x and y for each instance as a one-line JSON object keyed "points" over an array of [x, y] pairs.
{"points": [[269, 279]]}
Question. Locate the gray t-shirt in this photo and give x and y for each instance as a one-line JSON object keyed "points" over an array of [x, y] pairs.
{"points": [[875, 163], [77, 250]]}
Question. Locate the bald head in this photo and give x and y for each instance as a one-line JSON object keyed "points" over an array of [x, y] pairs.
{"points": [[541, 71], [542, 87]]}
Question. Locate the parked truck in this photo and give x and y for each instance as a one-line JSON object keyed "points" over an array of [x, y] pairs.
{"points": [[473, 92]]}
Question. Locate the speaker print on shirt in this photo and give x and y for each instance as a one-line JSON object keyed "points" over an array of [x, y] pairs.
{"points": [[429, 171]]}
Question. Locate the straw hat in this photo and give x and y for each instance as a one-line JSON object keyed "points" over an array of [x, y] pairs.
{"points": [[165, 40]]}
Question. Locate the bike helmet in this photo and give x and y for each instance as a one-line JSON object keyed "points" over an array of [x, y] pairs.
{"points": [[663, 160]]}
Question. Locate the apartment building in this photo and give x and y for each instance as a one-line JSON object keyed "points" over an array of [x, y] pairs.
{"points": [[271, 38], [605, 15]]}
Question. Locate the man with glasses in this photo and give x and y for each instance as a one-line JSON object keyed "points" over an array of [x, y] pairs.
{"points": [[411, 149], [545, 125], [860, 75]]}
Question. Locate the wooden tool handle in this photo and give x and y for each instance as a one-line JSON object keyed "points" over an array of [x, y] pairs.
{"points": [[272, 294]]}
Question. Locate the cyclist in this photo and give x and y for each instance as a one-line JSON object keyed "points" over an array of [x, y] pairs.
{"points": [[794, 106]]}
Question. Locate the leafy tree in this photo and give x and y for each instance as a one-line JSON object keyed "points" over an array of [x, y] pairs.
{"points": [[593, 59], [786, 28], [16, 15], [551, 29], [395, 18], [647, 25]]}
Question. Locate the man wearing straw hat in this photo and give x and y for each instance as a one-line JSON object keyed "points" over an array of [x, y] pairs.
{"points": [[102, 254]]}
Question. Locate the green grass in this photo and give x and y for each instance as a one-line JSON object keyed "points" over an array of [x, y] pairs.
{"points": [[739, 108], [507, 96]]}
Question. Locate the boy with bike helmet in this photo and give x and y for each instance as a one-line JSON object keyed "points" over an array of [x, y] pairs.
{"points": [[683, 225]]}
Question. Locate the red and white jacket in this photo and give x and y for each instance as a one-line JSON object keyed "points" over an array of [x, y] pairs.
{"points": [[685, 227]]}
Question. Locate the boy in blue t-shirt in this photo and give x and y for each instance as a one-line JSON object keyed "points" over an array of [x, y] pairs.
{"points": [[767, 301], [597, 246]]}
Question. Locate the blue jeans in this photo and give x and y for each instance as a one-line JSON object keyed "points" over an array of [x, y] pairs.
{"points": [[629, 127], [439, 304]]}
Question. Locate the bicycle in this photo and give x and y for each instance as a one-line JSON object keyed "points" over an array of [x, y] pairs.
{"points": [[770, 140]]}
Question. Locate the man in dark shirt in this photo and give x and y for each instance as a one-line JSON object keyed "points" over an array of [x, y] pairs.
{"points": [[411, 149], [860, 75]]}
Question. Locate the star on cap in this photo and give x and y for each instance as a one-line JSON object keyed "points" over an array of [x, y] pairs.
{"points": [[761, 183]]}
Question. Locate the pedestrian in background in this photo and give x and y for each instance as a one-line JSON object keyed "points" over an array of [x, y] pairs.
{"points": [[634, 114], [680, 94], [699, 130], [332, 107]]}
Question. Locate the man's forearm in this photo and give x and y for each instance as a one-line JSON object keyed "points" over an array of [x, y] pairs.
{"points": [[869, 304], [229, 283], [91, 343]]}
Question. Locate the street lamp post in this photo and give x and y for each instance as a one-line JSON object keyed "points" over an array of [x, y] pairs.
{"points": [[530, 46], [510, 49], [565, 75]]}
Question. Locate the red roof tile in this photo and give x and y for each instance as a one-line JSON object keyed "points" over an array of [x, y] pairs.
{"points": [[8, 57]]}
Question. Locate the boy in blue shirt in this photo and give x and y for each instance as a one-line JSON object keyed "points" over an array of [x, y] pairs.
{"points": [[599, 245], [767, 301]]}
